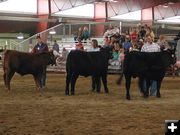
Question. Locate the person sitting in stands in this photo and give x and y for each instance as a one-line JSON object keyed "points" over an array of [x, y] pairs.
{"points": [[79, 45], [85, 34], [127, 44]]}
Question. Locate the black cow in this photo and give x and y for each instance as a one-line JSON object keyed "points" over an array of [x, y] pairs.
{"points": [[26, 63], [147, 66], [87, 64]]}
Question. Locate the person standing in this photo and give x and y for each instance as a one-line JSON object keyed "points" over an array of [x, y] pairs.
{"points": [[41, 47], [55, 46], [96, 82], [150, 46]]}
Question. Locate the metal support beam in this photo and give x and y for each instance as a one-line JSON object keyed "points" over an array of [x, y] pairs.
{"points": [[26, 19]]}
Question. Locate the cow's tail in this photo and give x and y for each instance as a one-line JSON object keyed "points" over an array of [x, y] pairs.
{"points": [[119, 81], [68, 63]]}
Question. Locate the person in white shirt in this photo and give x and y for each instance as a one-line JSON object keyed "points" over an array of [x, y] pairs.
{"points": [[94, 46], [150, 46]]}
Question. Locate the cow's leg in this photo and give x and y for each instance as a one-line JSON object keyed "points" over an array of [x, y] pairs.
{"points": [[158, 88], [93, 85], [141, 85], [104, 80], [8, 78], [73, 82], [98, 84], [36, 82], [4, 76], [68, 79], [128, 84], [43, 78]]}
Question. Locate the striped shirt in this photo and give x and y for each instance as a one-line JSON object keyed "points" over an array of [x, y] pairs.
{"points": [[147, 47]]}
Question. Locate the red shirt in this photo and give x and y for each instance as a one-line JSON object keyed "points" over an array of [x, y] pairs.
{"points": [[134, 36], [79, 46]]}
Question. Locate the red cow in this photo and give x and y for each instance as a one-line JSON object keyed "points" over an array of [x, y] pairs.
{"points": [[26, 63]]}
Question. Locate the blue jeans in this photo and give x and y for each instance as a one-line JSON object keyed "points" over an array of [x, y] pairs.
{"points": [[153, 87]]}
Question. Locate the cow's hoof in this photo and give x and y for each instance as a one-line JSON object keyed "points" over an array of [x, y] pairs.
{"points": [[146, 96], [128, 98], [93, 90], [158, 95], [66, 93], [106, 92], [72, 93], [98, 92]]}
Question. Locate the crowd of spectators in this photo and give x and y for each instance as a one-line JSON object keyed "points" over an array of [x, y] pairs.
{"points": [[130, 40]]}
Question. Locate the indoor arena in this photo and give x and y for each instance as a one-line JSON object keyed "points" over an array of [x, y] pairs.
{"points": [[97, 67]]}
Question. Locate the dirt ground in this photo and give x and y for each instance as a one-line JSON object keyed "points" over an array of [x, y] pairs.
{"points": [[25, 112]]}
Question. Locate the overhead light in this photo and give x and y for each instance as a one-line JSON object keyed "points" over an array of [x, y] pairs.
{"points": [[170, 3], [165, 5], [20, 36], [110, 1], [52, 32], [113, 1]]}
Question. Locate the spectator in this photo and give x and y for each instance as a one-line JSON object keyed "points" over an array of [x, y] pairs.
{"points": [[79, 45], [134, 47], [85, 34], [162, 42], [109, 32], [94, 46], [150, 32], [64, 53], [79, 34], [142, 33], [149, 46], [140, 43], [127, 44], [41, 47], [106, 41], [122, 38], [55, 46], [134, 36]]}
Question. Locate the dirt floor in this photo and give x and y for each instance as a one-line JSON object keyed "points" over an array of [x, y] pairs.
{"points": [[25, 112]]}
